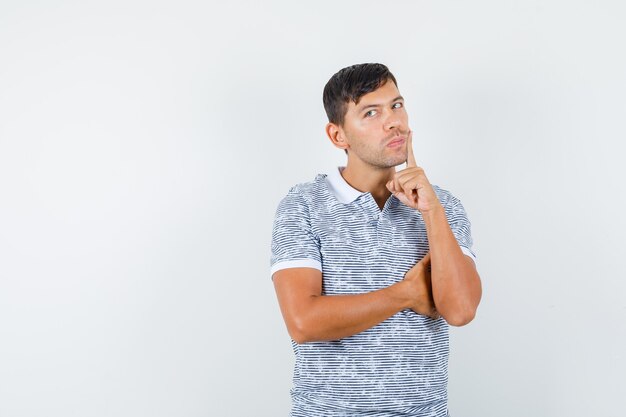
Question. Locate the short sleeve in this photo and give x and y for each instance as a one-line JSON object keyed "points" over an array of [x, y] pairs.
{"points": [[294, 245], [460, 225]]}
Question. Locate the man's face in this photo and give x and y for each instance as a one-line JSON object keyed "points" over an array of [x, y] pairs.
{"points": [[376, 129]]}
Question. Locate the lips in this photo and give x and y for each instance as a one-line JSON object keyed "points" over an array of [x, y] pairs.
{"points": [[397, 141]]}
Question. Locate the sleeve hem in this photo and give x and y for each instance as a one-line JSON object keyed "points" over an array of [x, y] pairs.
{"points": [[296, 263]]}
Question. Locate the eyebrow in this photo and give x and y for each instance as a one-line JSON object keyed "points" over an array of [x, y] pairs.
{"points": [[378, 105]]}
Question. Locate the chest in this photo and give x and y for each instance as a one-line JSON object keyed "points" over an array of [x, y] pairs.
{"points": [[365, 250]]}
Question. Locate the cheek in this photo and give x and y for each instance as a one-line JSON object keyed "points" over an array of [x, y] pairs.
{"points": [[361, 130], [362, 125]]}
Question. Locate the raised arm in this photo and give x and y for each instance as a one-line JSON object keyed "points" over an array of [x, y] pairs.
{"points": [[311, 316], [455, 282]]}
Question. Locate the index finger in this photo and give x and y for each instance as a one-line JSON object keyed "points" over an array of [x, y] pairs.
{"points": [[410, 159]]}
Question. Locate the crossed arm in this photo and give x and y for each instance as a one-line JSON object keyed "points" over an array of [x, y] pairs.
{"points": [[311, 316], [451, 289]]}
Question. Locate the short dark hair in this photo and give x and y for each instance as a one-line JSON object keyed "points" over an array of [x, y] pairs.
{"points": [[349, 85]]}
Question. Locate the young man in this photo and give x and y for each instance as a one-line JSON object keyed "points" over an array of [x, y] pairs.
{"points": [[370, 265]]}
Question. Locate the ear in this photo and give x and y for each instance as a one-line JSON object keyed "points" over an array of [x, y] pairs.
{"points": [[337, 136]]}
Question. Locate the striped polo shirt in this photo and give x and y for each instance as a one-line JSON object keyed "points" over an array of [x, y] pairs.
{"points": [[398, 367]]}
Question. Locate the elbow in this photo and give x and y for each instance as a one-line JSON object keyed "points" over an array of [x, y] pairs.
{"points": [[299, 331], [461, 318], [302, 324], [299, 339], [298, 336]]}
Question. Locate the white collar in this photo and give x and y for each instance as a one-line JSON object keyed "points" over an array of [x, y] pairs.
{"points": [[344, 192]]}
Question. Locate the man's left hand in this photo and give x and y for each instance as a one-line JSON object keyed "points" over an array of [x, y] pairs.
{"points": [[411, 186]]}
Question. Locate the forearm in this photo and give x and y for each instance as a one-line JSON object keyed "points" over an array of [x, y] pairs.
{"points": [[455, 283], [332, 317]]}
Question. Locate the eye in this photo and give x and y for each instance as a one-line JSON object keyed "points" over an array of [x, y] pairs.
{"points": [[370, 113], [400, 104]]}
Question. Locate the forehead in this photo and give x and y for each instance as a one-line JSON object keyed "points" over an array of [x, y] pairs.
{"points": [[384, 94]]}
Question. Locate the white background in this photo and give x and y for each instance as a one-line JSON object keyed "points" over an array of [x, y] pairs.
{"points": [[144, 147]]}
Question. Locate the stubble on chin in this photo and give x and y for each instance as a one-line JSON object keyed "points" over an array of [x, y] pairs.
{"points": [[382, 160], [392, 161], [398, 160]]}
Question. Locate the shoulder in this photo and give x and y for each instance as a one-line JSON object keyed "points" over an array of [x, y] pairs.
{"points": [[301, 196], [454, 209]]}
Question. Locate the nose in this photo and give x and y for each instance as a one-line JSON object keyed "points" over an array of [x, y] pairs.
{"points": [[392, 121]]}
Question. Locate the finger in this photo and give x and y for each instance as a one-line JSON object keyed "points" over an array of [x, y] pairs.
{"points": [[394, 190], [397, 186], [406, 188], [409, 179], [426, 258], [410, 159], [408, 185]]}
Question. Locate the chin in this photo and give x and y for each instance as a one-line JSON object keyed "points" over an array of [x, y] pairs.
{"points": [[399, 161], [390, 164]]}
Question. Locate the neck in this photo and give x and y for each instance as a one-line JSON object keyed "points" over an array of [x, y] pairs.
{"points": [[367, 178]]}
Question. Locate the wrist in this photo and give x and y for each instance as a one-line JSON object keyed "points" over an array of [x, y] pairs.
{"points": [[399, 295], [435, 211]]}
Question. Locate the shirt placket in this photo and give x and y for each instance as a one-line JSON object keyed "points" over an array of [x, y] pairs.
{"points": [[376, 218]]}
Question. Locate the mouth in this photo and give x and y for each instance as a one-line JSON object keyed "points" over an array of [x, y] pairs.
{"points": [[398, 141]]}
